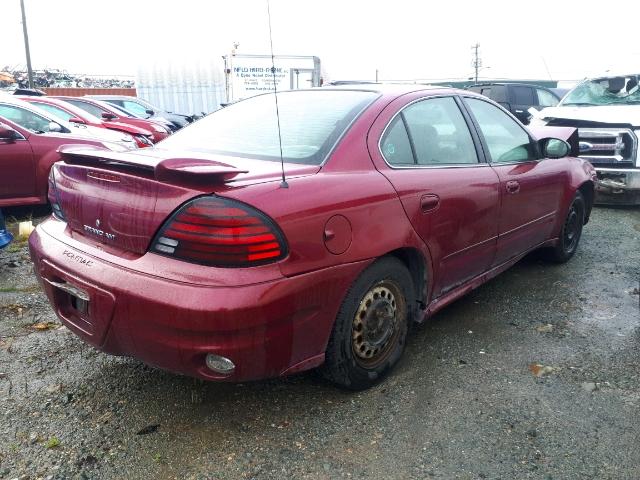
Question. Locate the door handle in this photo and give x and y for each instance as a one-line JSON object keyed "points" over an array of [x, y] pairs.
{"points": [[429, 202], [513, 186]]}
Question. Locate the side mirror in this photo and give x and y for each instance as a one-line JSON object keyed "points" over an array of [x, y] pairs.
{"points": [[148, 111], [55, 127], [555, 148], [108, 116], [7, 134], [76, 120]]}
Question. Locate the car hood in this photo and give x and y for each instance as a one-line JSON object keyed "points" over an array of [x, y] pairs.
{"points": [[618, 114], [126, 127]]}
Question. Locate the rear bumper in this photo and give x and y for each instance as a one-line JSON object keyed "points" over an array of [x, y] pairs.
{"points": [[267, 329], [618, 186]]}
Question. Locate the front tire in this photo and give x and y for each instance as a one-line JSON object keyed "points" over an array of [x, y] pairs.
{"points": [[370, 331], [571, 231]]}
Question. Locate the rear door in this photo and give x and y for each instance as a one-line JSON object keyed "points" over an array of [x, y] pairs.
{"points": [[426, 150], [530, 188]]}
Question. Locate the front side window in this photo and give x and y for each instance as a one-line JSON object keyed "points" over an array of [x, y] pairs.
{"points": [[311, 122], [434, 130], [507, 141], [25, 118]]}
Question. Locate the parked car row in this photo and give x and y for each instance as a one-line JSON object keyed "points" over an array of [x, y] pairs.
{"points": [[34, 126]]}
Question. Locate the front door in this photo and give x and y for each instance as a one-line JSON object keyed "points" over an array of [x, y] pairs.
{"points": [[429, 155], [530, 187]]}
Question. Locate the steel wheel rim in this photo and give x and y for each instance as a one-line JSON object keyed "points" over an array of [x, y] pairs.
{"points": [[571, 229], [377, 324]]}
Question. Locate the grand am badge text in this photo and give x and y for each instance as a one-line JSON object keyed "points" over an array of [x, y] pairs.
{"points": [[98, 232], [77, 258]]}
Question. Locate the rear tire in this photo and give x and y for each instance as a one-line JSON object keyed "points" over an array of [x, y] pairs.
{"points": [[571, 231], [370, 331]]}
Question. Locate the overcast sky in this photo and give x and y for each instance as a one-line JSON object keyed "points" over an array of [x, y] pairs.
{"points": [[559, 39]]}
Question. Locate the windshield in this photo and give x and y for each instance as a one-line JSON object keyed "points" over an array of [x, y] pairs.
{"points": [[605, 91], [311, 121]]}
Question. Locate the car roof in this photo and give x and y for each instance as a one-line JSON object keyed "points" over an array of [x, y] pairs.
{"points": [[393, 89], [518, 84], [112, 97]]}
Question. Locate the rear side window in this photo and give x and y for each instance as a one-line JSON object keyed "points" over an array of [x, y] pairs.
{"points": [[499, 94], [311, 122], [433, 131], [523, 95], [395, 144]]}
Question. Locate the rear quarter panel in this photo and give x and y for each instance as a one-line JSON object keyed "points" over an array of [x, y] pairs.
{"points": [[347, 185]]}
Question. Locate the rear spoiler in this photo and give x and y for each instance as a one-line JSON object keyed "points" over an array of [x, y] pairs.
{"points": [[170, 170], [568, 134]]}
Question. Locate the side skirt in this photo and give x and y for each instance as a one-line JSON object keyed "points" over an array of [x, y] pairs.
{"points": [[441, 302]]}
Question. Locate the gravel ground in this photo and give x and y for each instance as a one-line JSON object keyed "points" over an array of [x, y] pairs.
{"points": [[532, 376]]}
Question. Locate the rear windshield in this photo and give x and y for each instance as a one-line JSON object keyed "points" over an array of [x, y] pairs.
{"points": [[311, 121]]}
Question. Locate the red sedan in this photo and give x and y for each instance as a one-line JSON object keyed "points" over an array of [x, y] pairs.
{"points": [[196, 256], [109, 113], [26, 156], [73, 114]]}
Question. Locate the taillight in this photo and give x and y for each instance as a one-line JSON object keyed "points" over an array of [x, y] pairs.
{"points": [[52, 195], [219, 232]]}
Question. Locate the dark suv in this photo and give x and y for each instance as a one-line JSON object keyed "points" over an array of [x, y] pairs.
{"points": [[517, 97]]}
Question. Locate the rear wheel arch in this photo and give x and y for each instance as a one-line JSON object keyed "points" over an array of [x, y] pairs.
{"points": [[417, 265]]}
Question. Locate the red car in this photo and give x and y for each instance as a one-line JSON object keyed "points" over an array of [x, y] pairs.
{"points": [[109, 113], [73, 114], [26, 157], [198, 257]]}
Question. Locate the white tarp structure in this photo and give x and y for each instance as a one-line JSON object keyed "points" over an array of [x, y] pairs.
{"points": [[189, 87], [197, 86]]}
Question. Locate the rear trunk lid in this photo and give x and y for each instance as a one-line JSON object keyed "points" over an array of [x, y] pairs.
{"points": [[121, 199]]}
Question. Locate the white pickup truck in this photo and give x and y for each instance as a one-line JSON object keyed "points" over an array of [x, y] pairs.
{"points": [[606, 112]]}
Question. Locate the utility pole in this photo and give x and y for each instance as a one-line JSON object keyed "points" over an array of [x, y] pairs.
{"points": [[477, 61], [26, 44]]}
